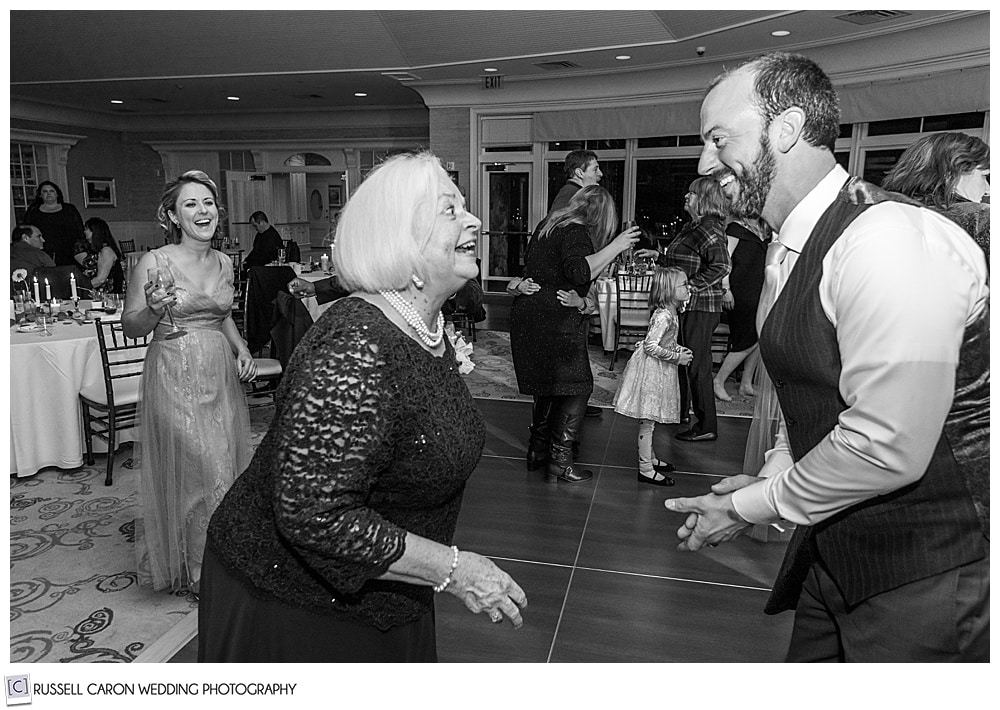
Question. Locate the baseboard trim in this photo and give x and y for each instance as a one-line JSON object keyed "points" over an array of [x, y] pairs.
{"points": [[167, 646]]}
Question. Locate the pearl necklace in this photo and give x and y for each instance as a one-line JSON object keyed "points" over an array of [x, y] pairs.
{"points": [[413, 319]]}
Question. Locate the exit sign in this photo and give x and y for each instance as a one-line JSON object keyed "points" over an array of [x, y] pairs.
{"points": [[493, 81]]}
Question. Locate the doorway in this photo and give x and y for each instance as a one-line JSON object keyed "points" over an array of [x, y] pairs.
{"points": [[507, 197]]}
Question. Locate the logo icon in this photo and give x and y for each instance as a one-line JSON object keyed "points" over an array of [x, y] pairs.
{"points": [[18, 689]]}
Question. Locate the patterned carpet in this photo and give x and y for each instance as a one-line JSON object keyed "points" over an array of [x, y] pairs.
{"points": [[74, 597], [494, 378]]}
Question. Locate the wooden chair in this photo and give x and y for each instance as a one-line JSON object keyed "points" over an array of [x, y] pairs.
{"points": [[127, 246], [633, 307], [217, 243], [110, 406]]}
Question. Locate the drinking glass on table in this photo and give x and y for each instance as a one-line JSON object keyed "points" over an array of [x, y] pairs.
{"points": [[43, 317], [18, 306], [112, 302], [161, 278]]}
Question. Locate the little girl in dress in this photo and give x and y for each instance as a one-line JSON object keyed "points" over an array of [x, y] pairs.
{"points": [[649, 391]]}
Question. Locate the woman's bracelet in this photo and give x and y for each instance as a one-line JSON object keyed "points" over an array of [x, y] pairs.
{"points": [[448, 580]]}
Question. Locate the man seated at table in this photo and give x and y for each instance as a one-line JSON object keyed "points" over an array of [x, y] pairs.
{"points": [[26, 253], [325, 290], [266, 244]]}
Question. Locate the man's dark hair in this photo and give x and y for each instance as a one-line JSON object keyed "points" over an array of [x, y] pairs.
{"points": [[577, 159], [782, 80], [258, 217], [20, 232]]}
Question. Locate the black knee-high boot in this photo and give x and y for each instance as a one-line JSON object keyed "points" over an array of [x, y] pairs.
{"points": [[539, 432], [567, 416]]}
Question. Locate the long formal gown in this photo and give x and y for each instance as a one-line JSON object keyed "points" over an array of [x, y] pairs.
{"points": [[194, 431]]}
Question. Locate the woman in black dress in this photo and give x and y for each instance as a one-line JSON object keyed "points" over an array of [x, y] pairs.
{"points": [[108, 272], [332, 544], [59, 221], [747, 243], [548, 341]]}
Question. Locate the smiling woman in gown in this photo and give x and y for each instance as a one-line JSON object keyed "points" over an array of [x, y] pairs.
{"points": [[194, 422]]}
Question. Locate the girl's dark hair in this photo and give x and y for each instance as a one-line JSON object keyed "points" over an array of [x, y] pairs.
{"points": [[102, 236]]}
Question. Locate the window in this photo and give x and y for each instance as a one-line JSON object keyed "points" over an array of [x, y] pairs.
{"points": [[28, 168], [660, 186], [306, 160], [613, 180]]}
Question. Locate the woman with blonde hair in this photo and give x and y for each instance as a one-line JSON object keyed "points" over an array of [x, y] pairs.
{"points": [[548, 341], [193, 419], [333, 543]]}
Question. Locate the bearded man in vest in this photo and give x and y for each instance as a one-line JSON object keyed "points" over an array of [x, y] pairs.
{"points": [[878, 346]]}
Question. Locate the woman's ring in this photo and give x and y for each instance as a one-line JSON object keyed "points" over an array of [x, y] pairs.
{"points": [[496, 617]]}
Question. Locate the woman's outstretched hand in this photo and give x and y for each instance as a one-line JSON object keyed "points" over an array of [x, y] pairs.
{"points": [[482, 586]]}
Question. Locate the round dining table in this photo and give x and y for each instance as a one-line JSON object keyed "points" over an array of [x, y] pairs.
{"points": [[47, 374]]}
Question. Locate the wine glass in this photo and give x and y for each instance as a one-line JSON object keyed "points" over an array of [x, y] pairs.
{"points": [[162, 278], [43, 317]]}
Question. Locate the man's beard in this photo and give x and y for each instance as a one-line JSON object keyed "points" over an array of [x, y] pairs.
{"points": [[755, 184]]}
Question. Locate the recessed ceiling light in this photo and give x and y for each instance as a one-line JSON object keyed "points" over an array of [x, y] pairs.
{"points": [[233, 98], [623, 57], [117, 101], [780, 33], [360, 94], [490, 69]]}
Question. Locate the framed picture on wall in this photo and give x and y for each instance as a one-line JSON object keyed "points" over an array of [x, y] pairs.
{"points": [[99, 192], [336, 196]]}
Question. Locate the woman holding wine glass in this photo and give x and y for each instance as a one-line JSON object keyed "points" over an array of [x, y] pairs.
{"points": [[194, 423]]}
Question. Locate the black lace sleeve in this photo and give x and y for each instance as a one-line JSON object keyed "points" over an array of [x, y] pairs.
{"points": [[333, 441]]}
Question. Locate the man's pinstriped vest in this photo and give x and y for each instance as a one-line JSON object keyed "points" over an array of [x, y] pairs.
{"points": [[935, 524]]}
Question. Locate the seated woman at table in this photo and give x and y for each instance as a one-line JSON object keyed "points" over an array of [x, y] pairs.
{"points": [[194, 421], [548, 340], [331, 545], [108, 274]]}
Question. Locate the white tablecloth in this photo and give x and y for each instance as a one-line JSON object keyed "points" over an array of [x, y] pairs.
{"points": [[607, 306], [46, 376]]}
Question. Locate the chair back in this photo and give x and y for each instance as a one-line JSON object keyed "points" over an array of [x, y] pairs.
{"points": [[292, 253], [633, 300], [127, 246], [237, 257], [217, 243], [121, 357], [263, 285], [58, 277]]}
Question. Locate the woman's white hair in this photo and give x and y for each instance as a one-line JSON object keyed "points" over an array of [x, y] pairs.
{"points": [[386, 224]]}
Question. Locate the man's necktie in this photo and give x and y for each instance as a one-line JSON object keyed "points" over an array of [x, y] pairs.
{"points": [[774, 276]]}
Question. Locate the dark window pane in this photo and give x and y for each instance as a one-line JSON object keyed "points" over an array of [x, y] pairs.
{"points": [[842, 158], [567, 145], [606, 144], [508, 222], [954, 122], [508, 149], [894, 126], [878, 163], [846, 130], [689, 140], [659, 193], [658, 142]]}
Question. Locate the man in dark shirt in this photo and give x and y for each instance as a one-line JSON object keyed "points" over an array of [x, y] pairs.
{"points": [[582, 169], [26, 242], [266, 244]]}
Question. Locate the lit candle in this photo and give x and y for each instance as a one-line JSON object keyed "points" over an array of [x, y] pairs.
{"points": [[48, 291], [38, 301], [72, 286]]}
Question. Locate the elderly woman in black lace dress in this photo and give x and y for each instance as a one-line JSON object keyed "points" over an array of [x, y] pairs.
{"points": [[333, 543]]}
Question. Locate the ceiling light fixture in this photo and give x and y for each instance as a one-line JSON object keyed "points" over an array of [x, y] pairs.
{"points": [[117, 101], [232, 98], [360, 94], [623, 57], [780, 33], [490, 69]]}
